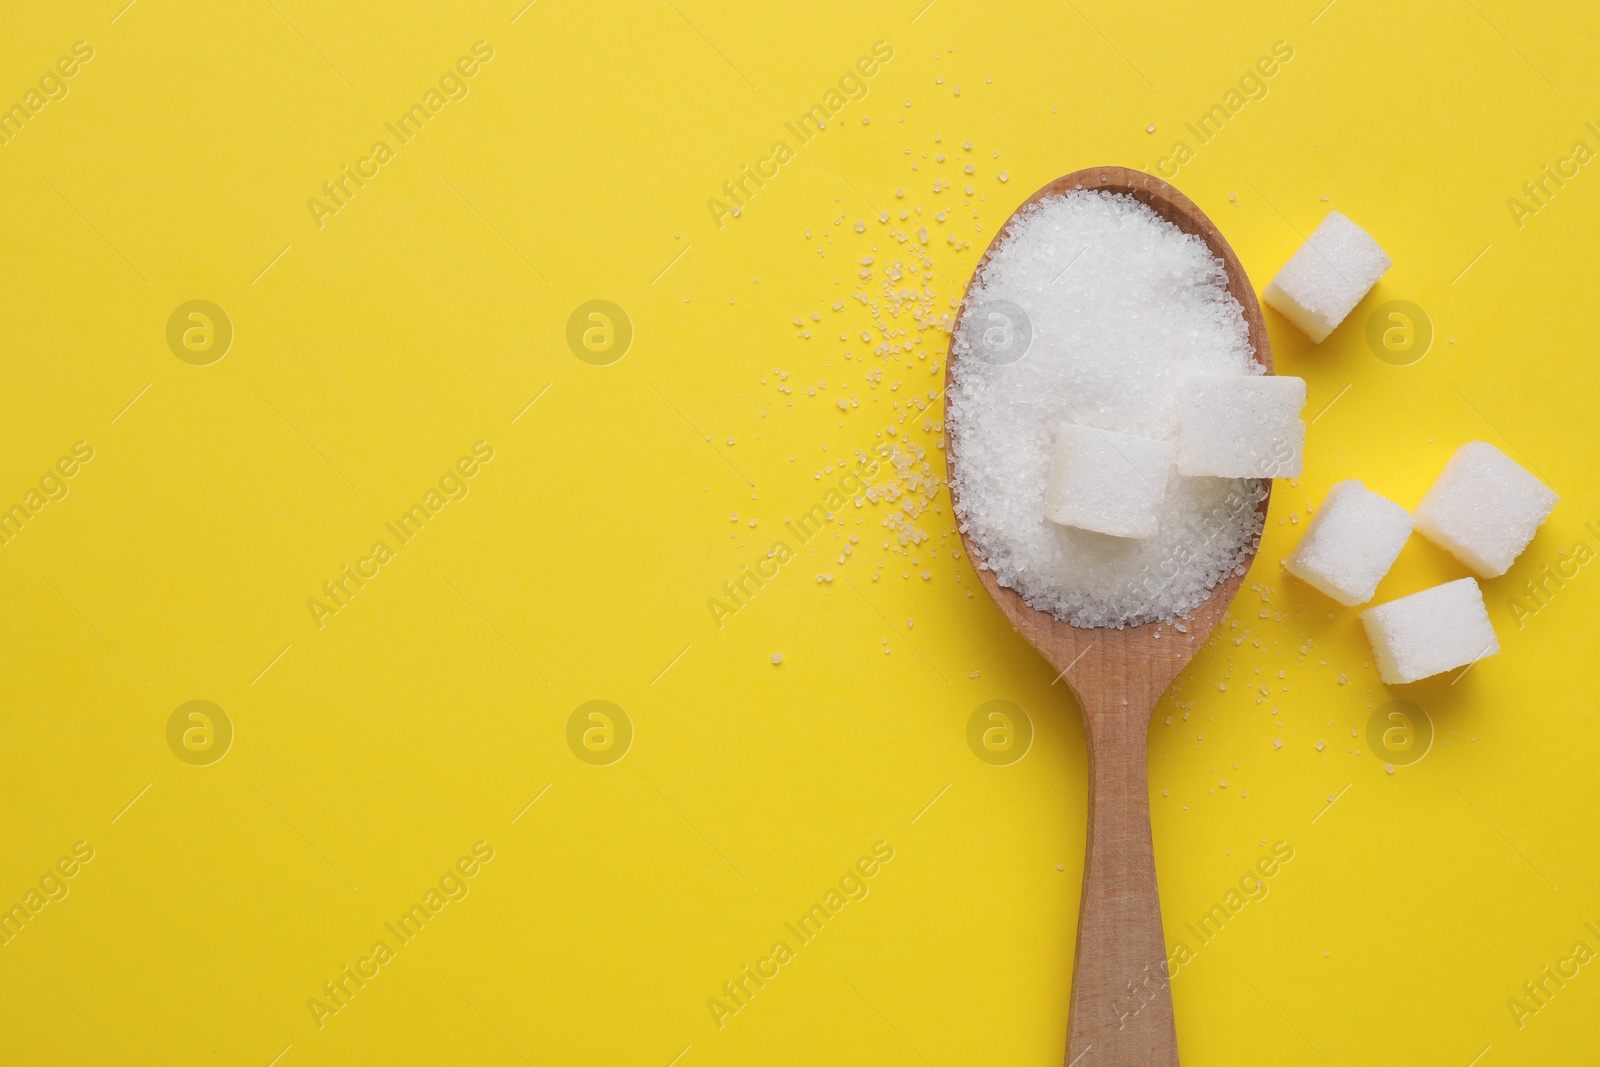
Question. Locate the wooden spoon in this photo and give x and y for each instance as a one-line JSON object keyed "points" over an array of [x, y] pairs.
{"points": [[1121, 1010]]}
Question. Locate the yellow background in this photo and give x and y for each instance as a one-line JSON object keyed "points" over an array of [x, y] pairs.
{"points": [[371, 753]]}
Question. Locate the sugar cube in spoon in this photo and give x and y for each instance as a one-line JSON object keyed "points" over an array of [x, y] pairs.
{"points": [[1111, 483], [1241, 426]]}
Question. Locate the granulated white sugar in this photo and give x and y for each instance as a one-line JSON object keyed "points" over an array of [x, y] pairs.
{"points": [[1113, 309]]}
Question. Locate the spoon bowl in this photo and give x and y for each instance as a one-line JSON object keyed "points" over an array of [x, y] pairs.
{"points": [[1121, 1004]]}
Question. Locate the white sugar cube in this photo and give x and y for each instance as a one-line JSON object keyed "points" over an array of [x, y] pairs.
{"points": [[1107, 482], [1327, 276], [1484, 509], [1351, 544], [1241, 426], [1430, 632]]}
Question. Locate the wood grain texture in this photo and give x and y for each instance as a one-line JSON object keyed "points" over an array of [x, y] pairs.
{"points": [[1121, 1007]]}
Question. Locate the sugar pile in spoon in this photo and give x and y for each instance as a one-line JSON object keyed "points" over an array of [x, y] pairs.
{"points": [[1118, 308]]}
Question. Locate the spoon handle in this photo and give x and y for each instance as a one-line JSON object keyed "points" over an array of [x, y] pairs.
{"points": [[1121, 992]]}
